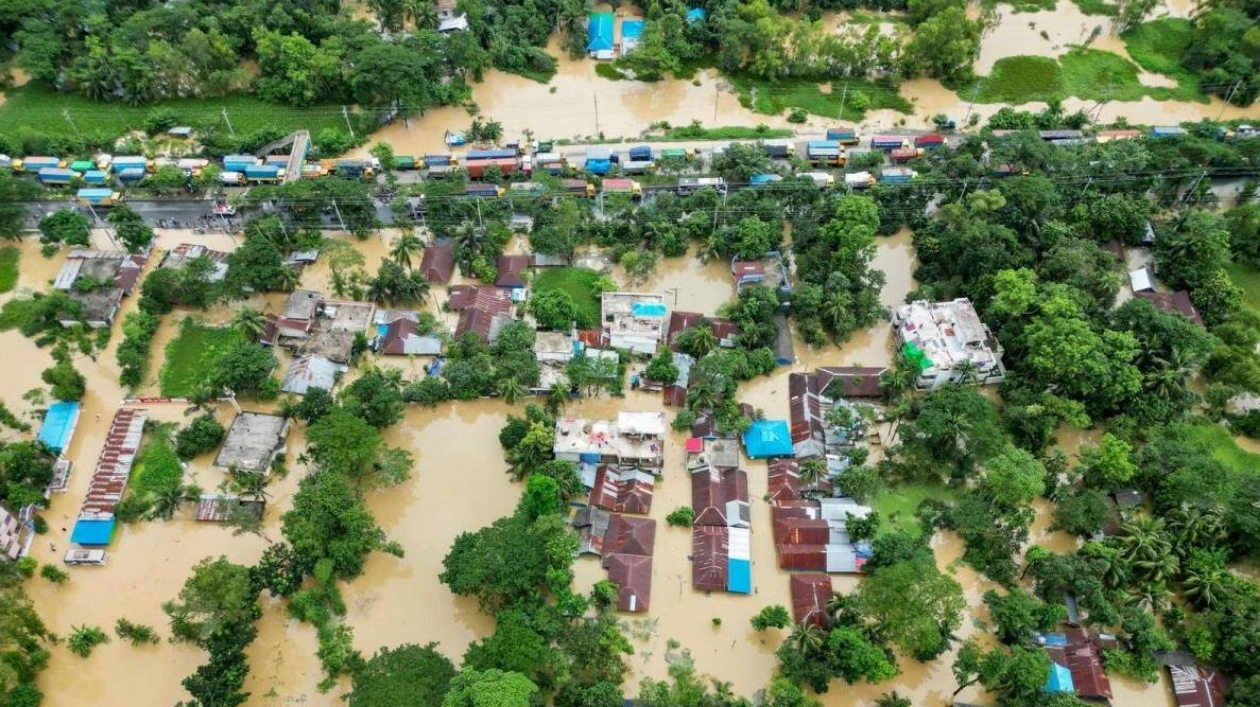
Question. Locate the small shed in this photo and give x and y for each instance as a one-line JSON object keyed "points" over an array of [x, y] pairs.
{"points": [[59, 424], [599, 32], [310, 372], [1141, 280], [180, 132], [768, 438]]}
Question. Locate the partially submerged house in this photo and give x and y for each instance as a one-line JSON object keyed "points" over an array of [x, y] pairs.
{"points": [[16, 533], [719, 497], [402, 337], [633, 439], [813, 534], [437, 264], [96, 522], [724, 330], [948, 342], [599, 33], [810, 594], [1077, 666], [633, 576], [768, 438], [817, 427], [634, 321], [98, 280], [768, 271], [56, 432], [298, 317], [675, 393], [511, 274], [721, 559], [337, 325], [631, 34], [1173, 303], [308, 372], [179, 256], [627, 490], [1196, 686], [253, 442], [483, 310]]}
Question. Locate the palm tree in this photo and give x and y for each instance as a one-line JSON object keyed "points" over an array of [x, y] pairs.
{"points": [[511, 390], [556, 398], [1204, 585], [1158, 570], [1144, 540], [250, 322], [806, 639], [1193, 528], [423, 13], [405, 248], [492, 130], [167, 502], [966, 371], [812, 471], [710, 248], [1148, 595], [836, 309], [892, 699], [837, 607], [699, 341], [251, 486], [702, 397], [288, 279]]}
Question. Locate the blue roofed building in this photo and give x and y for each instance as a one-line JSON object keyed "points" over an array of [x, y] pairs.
{"points": [[599, 32], [58, 427], [768, 438], [631, 34], [1060, 680]]}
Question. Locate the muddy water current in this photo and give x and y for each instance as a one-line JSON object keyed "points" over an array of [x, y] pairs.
{"points": [[458, 483]]}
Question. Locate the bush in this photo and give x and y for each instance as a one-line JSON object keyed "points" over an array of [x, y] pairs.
{"points": [[26, 567], [332, 142], [681, 517], [159, 120], [427, 392], [84, 638], [53, 574], [137, 634], [797, 115], [771, 617], [25, 696], [133, 352], [202, 435]]}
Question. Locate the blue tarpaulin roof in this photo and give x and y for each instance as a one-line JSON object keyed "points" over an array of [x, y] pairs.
{"points": [[739, 576], [631, 29], [92, 532], [696, 14], [768, 438], [599, 32], [648, 309], [58, 425], [1060, 679]]}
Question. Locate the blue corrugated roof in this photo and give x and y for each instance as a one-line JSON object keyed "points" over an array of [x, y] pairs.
{"points": [[631, 29], [739, 576], [58, 424], [768, 438], [599, 32], [92, 532], [1060, 680]]}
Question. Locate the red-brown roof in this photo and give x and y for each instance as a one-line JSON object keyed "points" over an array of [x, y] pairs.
{"points": [[810, 594], [850, 381], [805, 410], [628, 535], [710, 558], [1173, 303], [744, 268], [682, 321], [783, 480], [396, 335], [594, 338], [1198, 687], [633, 576], [480, 321], [1083, 659], [492, 299], [803, 557], [438, 264], [801, 531], [512, 270], [674, 395], [713, 489], [622, 495]]}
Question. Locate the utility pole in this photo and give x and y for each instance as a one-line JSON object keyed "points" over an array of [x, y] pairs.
{"points": [[346, 114], [717, 94], [338, 212], [228, 121], [975, 91], [65, 113], [1233, 89], [844, 94], [596, 97]]}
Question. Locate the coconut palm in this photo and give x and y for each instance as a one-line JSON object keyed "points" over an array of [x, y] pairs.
{"points": [[1158, 570], [1144, 540], [967, 371], [288, 279], [698, 341], [167, 502], [702, 396], [892, 699], [250, 322], [1148, 595], [406, 248], [251, 486], [812, 471], [806, 639], [511, 390], [556, 398], [710, 248], [836, 310], [423, 13], [1193, 528]]}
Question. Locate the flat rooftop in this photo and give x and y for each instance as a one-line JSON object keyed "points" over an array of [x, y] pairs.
{"points": [[947, 333], [252, 441]]}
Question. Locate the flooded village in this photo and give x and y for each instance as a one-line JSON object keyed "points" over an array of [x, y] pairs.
{"points": [[697, 516]]}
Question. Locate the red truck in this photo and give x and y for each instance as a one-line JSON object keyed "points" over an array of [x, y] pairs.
{"points": [[905, 154], [477, 168], [930, 141]]}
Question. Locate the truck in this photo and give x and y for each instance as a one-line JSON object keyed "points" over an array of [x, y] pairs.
{"points": [[231, 179], [98, 197], [896, 175], [313, 170], [844, 134], [640, 153], [1165, 131], [131, 175], [677, 153], [440, 161], [55, 176], [192, 166], [826, 152], [761, 180], [404, 163], [82, 556], [822, 180], [477, 168], [580, 187], [598, 161], [95, 176], [639, 167], [488, 191], [276, 160], [930, 141], [888, 142], [34, 164], [264, 173], [859, 180], [778, 149], [130, 162], [623, 186], [238, 163], [498, 153], [527, 165], [527, 189], [905, 154], [356, 169], [81, 166], [549, 162], [1058, 135], [691, 185]]}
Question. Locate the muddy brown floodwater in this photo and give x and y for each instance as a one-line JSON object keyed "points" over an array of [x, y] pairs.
{"points": [[458, 484]]}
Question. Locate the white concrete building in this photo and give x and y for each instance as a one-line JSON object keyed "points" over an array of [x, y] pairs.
{"points": [[945, 335]]}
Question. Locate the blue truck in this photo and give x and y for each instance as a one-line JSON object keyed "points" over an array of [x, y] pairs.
{"points": [[826, 152], [95, 176], [263, 173], [598, 161], [238, 163], [55, 176], [641, 153], [131, 175], [98, 197]]}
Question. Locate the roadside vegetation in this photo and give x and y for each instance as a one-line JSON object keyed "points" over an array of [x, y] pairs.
{"points": [[9, 256]]}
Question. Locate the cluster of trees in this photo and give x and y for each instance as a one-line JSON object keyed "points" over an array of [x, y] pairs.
{"points": [[475, 369], [24, 639], [1223, 50]]}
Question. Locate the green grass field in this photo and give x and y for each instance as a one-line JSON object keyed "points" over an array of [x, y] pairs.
{"points": [[580, 283], [9, 267], [1223, 448], [1085, 73], [1097, 7], [777, 97], [39, 109], [192, 355], [1157, 46], [1020, 79], [896, 505], [1248, 278], [157, 467]]}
